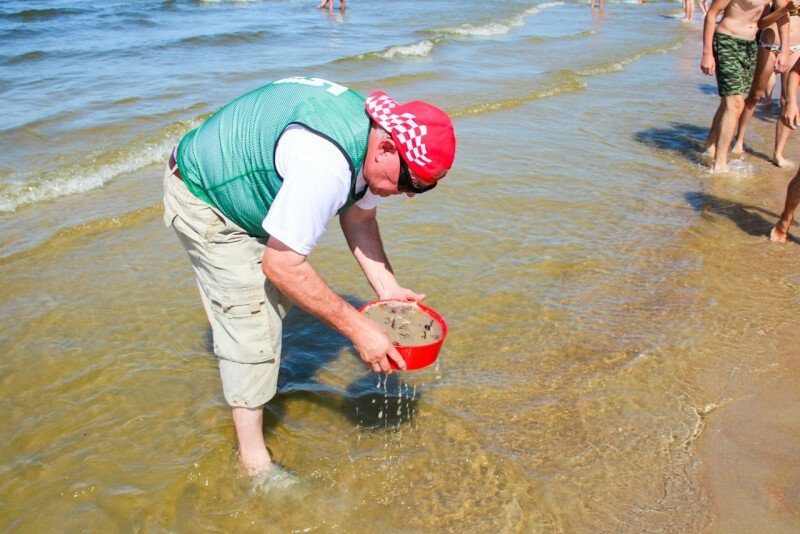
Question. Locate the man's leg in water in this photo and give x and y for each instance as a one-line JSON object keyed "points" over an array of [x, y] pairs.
{"points": [[781, 230], [732, 109], [244, 310], [253, 455]]}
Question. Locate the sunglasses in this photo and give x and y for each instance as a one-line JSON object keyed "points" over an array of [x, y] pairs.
{"points": [[406, 185]]}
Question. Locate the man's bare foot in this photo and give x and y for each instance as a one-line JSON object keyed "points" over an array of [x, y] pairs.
{"points": [[255, 467], [738, 149], [777, 235], [782, 162], [277, 481]]}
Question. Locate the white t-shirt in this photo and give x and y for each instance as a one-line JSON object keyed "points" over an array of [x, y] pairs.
{"points": [[316, 183]]}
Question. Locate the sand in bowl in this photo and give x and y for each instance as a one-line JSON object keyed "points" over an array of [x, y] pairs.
{"points": [[405, 323]]}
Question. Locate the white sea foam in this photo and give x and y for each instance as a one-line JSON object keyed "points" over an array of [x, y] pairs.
{"points": [[740, 168], [81, 177], [498, 28], [73, 180], [420, 49]]}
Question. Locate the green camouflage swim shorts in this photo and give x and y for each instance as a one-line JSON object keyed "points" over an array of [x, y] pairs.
{"points": [[736, 64]]}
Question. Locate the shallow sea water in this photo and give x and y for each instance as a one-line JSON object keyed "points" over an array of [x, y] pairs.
{"points": [[622, 335]]}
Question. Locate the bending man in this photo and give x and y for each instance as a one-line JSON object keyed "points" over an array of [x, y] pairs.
{"points": [[251, 191]]}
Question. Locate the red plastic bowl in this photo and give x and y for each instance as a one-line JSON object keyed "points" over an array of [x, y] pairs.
{"points": [[421, 355]]}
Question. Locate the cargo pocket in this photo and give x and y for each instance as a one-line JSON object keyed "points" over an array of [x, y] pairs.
{"points": [[215, 222], [199, 222], [244, 326]]}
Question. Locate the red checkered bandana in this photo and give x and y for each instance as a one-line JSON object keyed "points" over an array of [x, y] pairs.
{"points": [[422, 133]]}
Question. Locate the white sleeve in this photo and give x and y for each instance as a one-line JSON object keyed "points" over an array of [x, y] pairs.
{"points": [[316, 184], [370, 200]]}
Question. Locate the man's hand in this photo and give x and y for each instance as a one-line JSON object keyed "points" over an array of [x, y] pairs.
{"points": [[790, 115], [374, 347], [401, 294], [708, 65], [294, 276]]}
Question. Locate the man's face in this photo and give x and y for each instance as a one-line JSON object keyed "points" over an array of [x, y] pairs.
{"points": [[388, 175]]}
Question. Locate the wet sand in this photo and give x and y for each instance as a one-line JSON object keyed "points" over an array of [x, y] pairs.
{"points": [[748, 445], [406, 324], [751, 453]]}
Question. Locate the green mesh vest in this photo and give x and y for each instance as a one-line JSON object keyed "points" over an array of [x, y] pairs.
{"points": [[229, 160]]}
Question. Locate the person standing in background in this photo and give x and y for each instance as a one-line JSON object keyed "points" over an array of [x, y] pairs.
{"points": [[688, 9], [729, 51], [329, 5]]}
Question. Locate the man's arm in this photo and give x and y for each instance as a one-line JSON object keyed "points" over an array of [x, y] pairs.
{"points": [[360, 228], [708, 64], [294, 276]]}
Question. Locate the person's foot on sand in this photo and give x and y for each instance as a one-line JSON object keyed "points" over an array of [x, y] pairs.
{"points": [[738, 149], [777, 235], [782, 162], [709, 152]]}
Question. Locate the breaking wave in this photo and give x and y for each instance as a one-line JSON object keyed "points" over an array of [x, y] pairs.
{"points": [[419, 49], [92, 171], [494, 29]]}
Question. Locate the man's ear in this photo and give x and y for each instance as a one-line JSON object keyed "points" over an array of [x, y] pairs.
{"points": [[386, 146]]}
